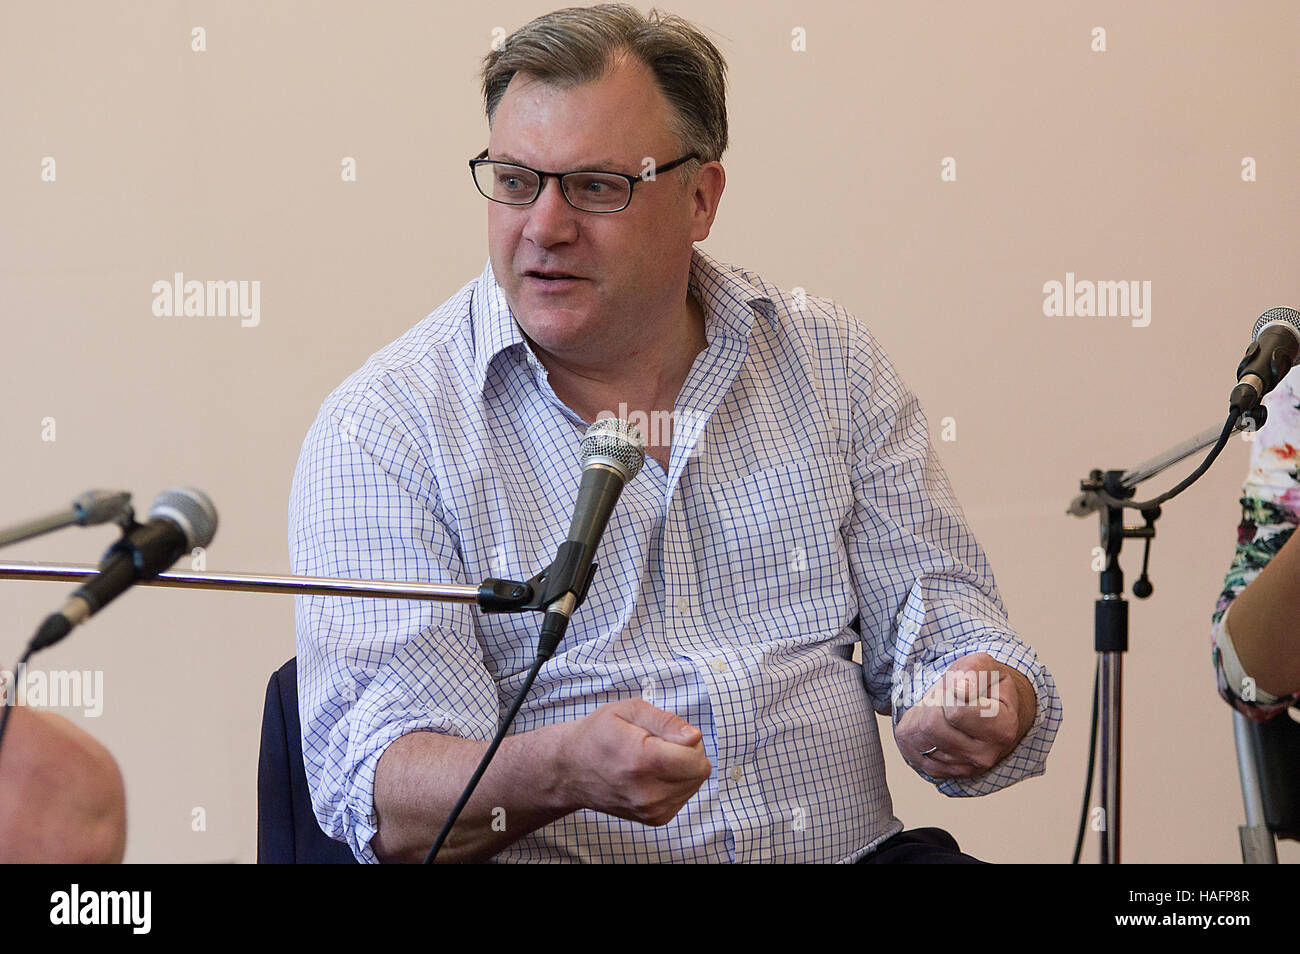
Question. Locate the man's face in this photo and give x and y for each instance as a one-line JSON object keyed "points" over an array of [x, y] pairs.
{"points": [[630, 267]]}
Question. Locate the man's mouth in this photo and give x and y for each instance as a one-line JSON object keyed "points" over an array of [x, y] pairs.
{"points": [[550, 276]]}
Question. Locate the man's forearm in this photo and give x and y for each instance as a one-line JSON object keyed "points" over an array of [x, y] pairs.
{"points": [[421, 775], [1265, 623]]}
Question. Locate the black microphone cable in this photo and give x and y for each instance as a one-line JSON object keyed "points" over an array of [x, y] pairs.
{"points": [[1112, 501], [1260, 371], [612, 454], [487, 758]]}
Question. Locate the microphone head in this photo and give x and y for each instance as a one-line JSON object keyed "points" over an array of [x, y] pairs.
{"points": [[616, 443], [1287, 317], [189, 509]]}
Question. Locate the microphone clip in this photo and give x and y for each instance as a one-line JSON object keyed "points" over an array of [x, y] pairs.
{"points": [[511, 596]]}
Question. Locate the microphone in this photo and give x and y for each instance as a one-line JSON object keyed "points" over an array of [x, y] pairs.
{"points": [[1273, 351], [612, 453], [179, 520]]}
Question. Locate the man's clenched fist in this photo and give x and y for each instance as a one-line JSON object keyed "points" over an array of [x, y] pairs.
{"points": [[633, 760], [969, 720]]}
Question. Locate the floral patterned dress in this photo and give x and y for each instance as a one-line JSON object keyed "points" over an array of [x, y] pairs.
{"points": [[1270, 512]]}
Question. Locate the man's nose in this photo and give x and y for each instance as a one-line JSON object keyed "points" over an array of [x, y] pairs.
{"points": [[551, 220]]}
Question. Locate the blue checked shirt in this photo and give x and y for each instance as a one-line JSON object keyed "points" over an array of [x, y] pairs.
{"points": [[803, 502]]}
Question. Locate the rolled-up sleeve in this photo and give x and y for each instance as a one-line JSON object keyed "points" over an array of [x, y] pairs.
{"points": [[927, 596], [365, 505]]}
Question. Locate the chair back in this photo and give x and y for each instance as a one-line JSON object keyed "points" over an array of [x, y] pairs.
{"points": [[287, 830]]}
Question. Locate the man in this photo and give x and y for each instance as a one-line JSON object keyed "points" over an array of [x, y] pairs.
{"points": [[703, 705]]}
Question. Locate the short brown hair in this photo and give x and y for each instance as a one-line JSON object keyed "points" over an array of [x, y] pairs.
{"points": [[580, 45]]}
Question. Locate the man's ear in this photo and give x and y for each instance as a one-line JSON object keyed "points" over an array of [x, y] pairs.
{"points": [[710, 180]]}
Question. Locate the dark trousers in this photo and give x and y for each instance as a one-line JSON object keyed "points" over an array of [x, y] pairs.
{"points": [[919, 846]]}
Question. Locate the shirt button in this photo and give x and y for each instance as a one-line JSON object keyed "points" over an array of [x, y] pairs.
{"points": [[737, 773], [683, 605], [719, 664]]}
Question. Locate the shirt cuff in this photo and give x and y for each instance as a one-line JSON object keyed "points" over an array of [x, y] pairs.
{"points": [[360, 822], [1029, 757], [360, 819]]}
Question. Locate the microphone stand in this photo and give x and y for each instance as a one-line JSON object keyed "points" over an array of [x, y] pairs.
{"points": [[612, 453], [492, 595], [563, 586], [1109, 492]]}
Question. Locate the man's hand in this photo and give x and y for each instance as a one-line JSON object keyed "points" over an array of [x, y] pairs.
{"points": [[635, 761], [969, 720]]}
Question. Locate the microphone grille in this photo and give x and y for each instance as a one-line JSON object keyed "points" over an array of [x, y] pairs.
{"points": [[1277, 316], [616, 442], [189, 509]]}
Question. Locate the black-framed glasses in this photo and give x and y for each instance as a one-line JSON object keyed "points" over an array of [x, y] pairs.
{"points": [[587, 191]]}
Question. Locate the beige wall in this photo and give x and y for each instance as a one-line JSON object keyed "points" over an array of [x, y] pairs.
{"points": [[225, 164]]}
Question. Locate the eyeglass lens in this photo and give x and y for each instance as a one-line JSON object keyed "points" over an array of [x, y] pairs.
{"points": [[515, 185]]}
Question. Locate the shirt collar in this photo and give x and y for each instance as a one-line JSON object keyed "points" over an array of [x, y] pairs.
{"points": [[728, 300]]}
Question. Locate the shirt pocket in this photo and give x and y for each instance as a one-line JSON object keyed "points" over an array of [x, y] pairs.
{"points": [[783, 565]]}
